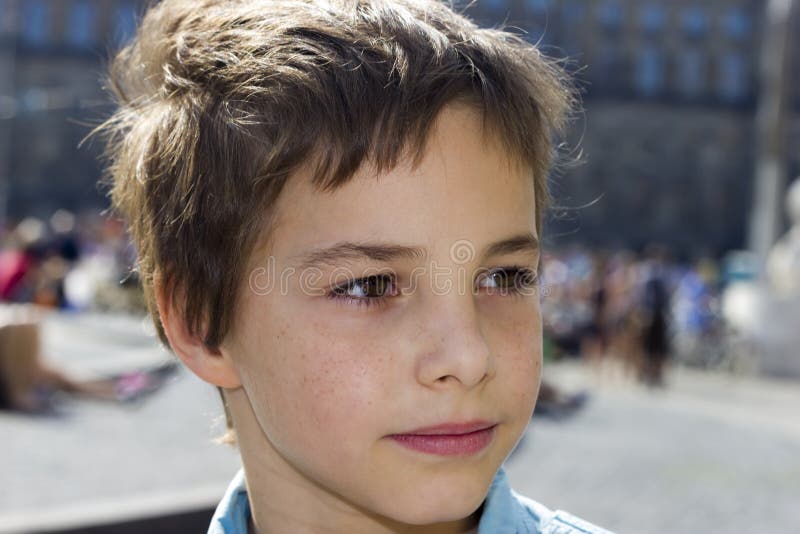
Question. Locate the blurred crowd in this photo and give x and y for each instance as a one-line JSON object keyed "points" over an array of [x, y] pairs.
{"points": [[68, 262], [629, 311], [636, 310]]}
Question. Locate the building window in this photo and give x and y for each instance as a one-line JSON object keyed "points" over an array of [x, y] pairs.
{"points": [[540, 27], [652, 19], [694, 22], [571, 28], [5, 18], [611, 16], [649, 74], [81, 24], [125, 16], [797, 87], [691, 74], [35, 23], [732, 81], [737, 24], [496, 7], [608, 68], [535, 32], [539, 8], [572, 13]]}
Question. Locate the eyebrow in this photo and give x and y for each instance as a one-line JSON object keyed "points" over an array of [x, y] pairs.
{"points": [[526, 242], [385, 252]]}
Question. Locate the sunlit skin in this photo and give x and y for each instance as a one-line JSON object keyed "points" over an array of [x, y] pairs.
{"points": [[319, 379]]}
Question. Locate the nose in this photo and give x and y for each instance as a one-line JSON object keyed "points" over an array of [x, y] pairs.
{"points": [[454, 350]]}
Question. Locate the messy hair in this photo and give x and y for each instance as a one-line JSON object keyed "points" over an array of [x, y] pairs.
{"points": [[220, 101]]}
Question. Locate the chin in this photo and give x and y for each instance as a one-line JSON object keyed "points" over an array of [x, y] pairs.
{"points": [[440, 503], [446, 513]]}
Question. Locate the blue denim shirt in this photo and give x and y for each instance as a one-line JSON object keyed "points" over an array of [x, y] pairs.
{"points": [[504, 512]]}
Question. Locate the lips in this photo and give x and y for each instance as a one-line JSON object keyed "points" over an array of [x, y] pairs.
{"points": [[449, 439]]}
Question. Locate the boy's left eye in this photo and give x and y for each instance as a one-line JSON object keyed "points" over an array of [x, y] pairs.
{"points": [[366, 291], [507, 280]]}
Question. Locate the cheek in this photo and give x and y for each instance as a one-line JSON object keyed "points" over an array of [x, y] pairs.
{"points": [[514, 330], [515, 323], [313, 378]]}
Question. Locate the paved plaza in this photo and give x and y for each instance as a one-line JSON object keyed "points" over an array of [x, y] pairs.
{"points": [[709, 453]]}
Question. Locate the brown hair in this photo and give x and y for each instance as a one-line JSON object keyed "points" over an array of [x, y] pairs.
{"points": [[220, 100]]}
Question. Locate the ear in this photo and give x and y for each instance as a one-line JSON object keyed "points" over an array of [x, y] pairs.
{"points": [[211, 365]]}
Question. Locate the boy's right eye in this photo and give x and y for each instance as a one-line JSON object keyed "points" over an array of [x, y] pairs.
{"points": [[366, 291]]}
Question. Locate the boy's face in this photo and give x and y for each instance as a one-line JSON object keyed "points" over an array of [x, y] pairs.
{"points": [[399, 397]]}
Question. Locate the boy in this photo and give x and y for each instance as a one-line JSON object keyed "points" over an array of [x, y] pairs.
{"points": [[337, 205]]}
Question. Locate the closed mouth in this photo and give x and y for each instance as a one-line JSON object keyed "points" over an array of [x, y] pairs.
{"points": [[450, 439]]}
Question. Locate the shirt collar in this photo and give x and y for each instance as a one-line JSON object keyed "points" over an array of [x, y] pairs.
{"points": [[502, 510], [233, 512]]}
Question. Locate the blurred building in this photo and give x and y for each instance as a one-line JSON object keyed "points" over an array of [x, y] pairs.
{"points": [[51, 57], [668, 139]]}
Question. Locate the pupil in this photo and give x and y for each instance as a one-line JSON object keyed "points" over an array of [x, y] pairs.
{"points": [[525, 278], [501, 279], [376, 286]]}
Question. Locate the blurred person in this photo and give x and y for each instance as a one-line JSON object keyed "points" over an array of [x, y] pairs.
{"points": [[783, 263], [566, 309], [65, 252], [29, 385], [20, 261], [35, 261], [102, 279], [594, 343], [623, 325], [555, 404], [557, 306], [653, 314], [357, 405], [48, 287], [698, 324]]}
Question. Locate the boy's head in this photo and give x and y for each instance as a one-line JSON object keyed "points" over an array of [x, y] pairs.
{"points": [[336, 206]]}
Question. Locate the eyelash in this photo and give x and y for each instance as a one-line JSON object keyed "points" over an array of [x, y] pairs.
{"points": [[339, 293], [523, 280]]}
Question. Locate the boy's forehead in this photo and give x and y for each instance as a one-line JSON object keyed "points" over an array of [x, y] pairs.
{"points": [[457, 140], [462, 185], [342, 252]]}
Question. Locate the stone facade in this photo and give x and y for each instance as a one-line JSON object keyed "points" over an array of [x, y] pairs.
{"points": [[666, 139], [51, 59]]}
